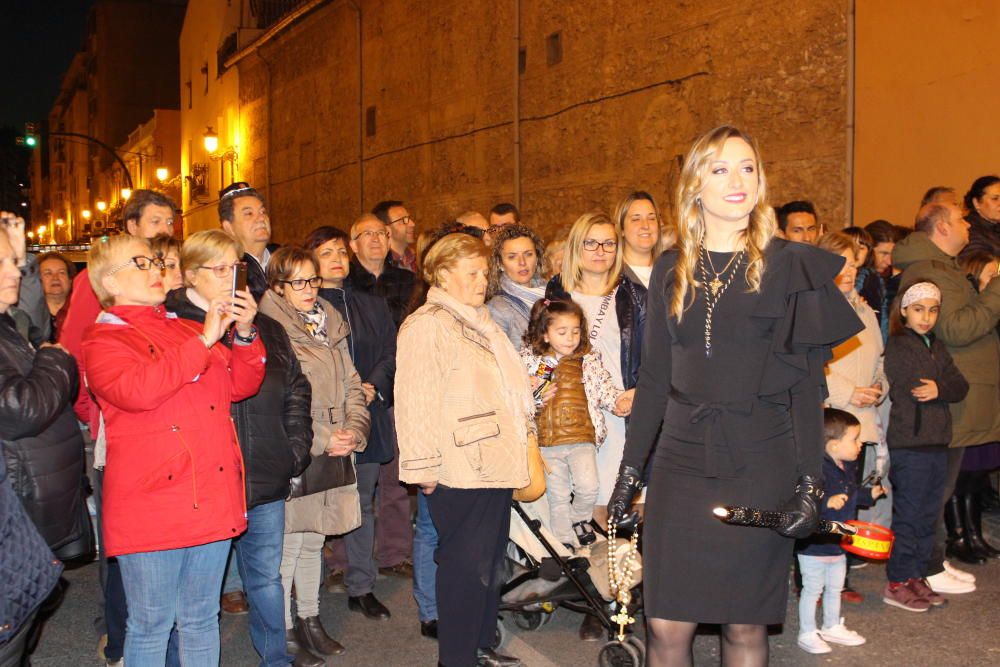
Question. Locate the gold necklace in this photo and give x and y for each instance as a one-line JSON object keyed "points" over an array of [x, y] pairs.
{"points": [[620, 576], [715, 289], [716, 283]]}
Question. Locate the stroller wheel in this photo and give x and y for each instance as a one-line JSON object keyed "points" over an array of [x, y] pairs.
{"points": [[639, 646], [619, 654], [501, 637], [531, 620]]}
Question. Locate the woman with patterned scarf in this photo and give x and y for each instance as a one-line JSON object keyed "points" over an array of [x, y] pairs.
{"points": [[516, 281]]}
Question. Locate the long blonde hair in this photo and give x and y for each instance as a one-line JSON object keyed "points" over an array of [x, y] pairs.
{"points": [[572, 271], [691, 222]]}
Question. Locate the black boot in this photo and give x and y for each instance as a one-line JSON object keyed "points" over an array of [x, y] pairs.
{"points": [[312, 635], [303, 657], [957, 546], [972, 515]]}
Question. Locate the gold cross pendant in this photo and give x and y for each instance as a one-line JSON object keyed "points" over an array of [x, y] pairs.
{"points": [[715, 286], [622, 619]]}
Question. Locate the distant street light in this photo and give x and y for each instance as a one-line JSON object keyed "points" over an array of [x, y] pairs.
{"points": [[101, 206], [60, 222], [85, 213], [162, 173], [211, 140], [126, 193]]}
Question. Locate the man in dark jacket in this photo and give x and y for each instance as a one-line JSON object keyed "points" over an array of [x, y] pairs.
{"points": [[372, 344], [371, 272], [243, 215], [275, 433]]}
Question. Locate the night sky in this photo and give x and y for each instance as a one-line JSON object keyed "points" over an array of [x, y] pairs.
{"points": [[38, 38]]}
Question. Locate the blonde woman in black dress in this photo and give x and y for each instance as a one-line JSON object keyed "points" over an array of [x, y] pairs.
{"points": [[739, 326]]}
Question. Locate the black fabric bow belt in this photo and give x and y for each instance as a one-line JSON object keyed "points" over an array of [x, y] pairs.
{"points": [[713, 412]]}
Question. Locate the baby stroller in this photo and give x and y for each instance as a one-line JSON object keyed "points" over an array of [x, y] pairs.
{"points": [[543, 574]]}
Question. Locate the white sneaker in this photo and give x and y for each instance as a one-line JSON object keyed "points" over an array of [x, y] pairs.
{"points": [[811, 642], [961, 575], [839, 634], [946, 583]]}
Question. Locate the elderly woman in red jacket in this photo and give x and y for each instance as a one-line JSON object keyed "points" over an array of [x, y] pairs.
{"points": [[173, 486]]}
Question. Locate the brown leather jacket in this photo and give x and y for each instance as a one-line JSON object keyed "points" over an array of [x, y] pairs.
{"points": [[565, 420]]}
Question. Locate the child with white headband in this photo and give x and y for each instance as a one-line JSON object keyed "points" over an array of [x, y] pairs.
{"points": [[923, 380]]}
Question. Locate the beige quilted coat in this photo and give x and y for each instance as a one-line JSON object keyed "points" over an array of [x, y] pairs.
{"points": [[337, 402], [452, 423]]}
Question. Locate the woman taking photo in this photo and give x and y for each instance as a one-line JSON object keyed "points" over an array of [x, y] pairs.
{"points": [[515, 279], [616, 315], [638, 221], [275, 435], [740, 325], [463, 411], [325, 498], [173, 482]]}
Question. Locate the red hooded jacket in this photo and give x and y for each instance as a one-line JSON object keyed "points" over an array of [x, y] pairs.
{"points": [[174, 473]]}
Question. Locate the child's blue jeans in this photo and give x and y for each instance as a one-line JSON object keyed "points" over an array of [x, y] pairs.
{"points": [[820, 576]]}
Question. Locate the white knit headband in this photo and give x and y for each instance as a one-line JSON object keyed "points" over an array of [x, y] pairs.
{"points": [[919, 291]]}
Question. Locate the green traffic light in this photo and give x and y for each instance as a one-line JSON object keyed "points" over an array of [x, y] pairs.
{"points": [[30, 141]]}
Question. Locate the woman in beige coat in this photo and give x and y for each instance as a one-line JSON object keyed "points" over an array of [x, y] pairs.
{"points": [[325, 498], [463, 410]]}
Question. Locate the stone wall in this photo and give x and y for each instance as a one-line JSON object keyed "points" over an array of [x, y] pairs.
{"points": [[637, 81]]}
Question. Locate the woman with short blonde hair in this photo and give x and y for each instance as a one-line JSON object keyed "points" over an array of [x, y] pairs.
{"points": [[463, 412], [730, 393], [615, 309]]}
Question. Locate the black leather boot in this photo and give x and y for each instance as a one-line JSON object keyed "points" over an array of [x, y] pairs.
{"points": [[972, 515], [957, 546], [303, 657], [312, 635]]}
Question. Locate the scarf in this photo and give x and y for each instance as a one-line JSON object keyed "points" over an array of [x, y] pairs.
{"points": [[315, 322], [526, 295], [516, 389]]}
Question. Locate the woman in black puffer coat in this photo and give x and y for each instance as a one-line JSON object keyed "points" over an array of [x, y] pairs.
{"points": [[43, 447]]}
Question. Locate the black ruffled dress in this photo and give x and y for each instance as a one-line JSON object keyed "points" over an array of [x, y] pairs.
{"points": [[738, 428]]}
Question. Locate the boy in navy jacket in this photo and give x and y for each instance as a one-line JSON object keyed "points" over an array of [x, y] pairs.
{"points": [[822, 560]]}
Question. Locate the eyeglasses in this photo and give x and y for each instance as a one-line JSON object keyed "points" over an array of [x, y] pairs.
{"points": [[593, 244], [299, 284], [222, 270], [371, 235], [406, 220], [140, 262]]}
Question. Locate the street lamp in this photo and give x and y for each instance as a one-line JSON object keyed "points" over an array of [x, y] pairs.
{"points": [[162, 173], [85, 213], [211, 140], [41, 232], [102, 206], [59, 225], [126, 193]]}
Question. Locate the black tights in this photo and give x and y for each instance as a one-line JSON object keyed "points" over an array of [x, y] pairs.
{"points": [[669, 643]]}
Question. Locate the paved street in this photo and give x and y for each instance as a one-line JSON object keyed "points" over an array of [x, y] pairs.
{"points": [[965, 634]]}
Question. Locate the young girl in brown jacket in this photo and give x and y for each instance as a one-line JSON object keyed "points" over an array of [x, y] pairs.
{"points": [[570, 425]]}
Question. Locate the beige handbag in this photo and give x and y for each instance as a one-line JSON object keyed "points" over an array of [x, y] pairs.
{"points": [[536, 473]]}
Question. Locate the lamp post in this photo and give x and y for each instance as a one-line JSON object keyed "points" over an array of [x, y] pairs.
{"points": [[59, 225], [161, 174], [211, 141]]}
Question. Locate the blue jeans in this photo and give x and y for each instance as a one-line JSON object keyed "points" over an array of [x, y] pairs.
{"points": [[258, 557], [820, 576], [175, 585], [425, 543]]}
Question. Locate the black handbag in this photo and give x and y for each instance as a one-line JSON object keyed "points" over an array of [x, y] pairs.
{"points": [[323, 473], [81, 544]]}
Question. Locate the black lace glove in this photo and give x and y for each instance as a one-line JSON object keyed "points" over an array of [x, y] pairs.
{"points": [[627, 484], [803, 508]]}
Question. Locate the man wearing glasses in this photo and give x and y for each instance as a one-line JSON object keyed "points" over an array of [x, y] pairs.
{"points": [[402, 234], [147, 214], [372, 272], [243, 215]]}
